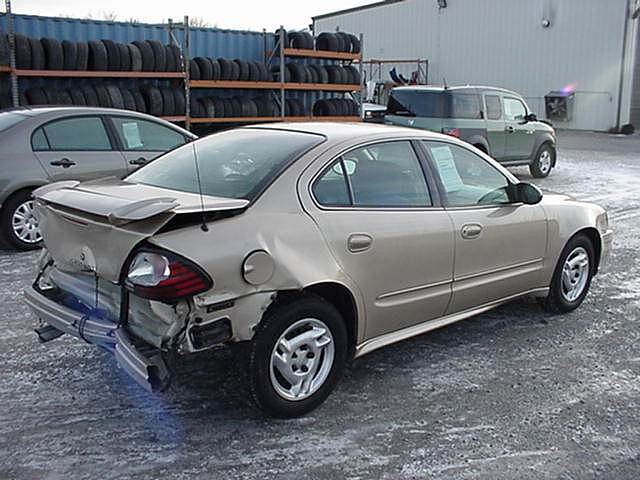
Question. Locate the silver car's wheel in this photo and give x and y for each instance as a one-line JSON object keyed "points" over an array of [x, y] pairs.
{"points": [[302, 359], [25, 225], [297, 355], [575, 274]]}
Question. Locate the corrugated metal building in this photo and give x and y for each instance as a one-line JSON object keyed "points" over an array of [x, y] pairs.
{"points": [[530, 46]]}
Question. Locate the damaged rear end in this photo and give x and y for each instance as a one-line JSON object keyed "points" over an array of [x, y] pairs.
{"points": [[100, 281]]}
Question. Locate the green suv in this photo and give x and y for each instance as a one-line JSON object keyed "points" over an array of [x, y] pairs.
{"points": [[494, 120]]}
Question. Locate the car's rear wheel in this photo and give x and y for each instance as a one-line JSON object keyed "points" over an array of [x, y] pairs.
{"points": [[19, 225], [572, 275], [543, 161], [297, 356]]}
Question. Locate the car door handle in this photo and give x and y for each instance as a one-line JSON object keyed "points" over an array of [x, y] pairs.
{"points": [[471, 230], [138, 161], [509, 129], [64, 163], [359, 242]]}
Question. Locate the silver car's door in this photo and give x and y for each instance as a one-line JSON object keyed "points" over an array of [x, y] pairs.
{"points": [[77, 148], [499, 245], [374, 209], [143, 140]]}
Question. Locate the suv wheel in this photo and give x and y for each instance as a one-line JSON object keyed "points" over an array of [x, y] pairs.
{"points": [[543, 161], [297, 356], [19, 225]]}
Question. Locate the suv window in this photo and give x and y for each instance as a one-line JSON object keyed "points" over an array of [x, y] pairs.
{"points": [[138, 134], [465, 105], [78, 133], [384, 174], [412, 103], [494, 108], [467, 179], [514, 109]]}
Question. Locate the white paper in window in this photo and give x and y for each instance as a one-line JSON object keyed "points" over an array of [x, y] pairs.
{"points": [[447, 169], [132, 135]]}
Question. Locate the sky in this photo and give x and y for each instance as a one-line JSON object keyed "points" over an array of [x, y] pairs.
{"points": [[232, 14]]}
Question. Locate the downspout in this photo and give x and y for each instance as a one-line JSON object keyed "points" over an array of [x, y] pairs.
{"points": [[622, 63]]}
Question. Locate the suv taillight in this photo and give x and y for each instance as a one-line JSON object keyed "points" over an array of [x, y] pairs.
{"points": [[454, 132], [165, 276]]}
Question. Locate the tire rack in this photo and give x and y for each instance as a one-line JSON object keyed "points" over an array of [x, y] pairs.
{"points": [[282, 86], [15, 73]]}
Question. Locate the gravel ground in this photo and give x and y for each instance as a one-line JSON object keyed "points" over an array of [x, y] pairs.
{"points": [[514, 393]]}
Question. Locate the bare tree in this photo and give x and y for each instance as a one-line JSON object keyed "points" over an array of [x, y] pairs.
{"points": [[198, 22], [111, 16]]}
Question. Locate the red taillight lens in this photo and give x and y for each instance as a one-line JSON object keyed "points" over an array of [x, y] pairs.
{"points": [[180, 279], [454, 132]]}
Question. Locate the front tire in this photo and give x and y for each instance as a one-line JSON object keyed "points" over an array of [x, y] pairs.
{"points": [[543, 161], [572, 276], [19, 226], [297, 356]]}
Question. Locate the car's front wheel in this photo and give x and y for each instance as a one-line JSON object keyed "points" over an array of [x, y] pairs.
{"points": [[543, 161], [297, 356], [19, 225]]}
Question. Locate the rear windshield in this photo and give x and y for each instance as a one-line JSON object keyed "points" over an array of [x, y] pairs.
{"points": [[444, 104], [233, 164], [9, 119]]}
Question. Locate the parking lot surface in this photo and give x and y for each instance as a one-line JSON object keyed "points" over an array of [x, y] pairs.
{"points": [[515, 393]]}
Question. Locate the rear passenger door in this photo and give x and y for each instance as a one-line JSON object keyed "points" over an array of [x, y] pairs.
{"points": [[143, 140], [77, 148], [495, 124]]}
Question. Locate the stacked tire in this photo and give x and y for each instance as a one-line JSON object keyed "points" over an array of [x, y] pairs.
{"points": [[208, 68], [332, 74], [327, 41], [243, 107], [335, 107]]}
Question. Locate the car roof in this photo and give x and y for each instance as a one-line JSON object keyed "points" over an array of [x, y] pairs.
{"points": [[459, 88]]}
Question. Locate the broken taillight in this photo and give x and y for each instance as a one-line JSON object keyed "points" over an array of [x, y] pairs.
{"points": [[454, 132], [165, 276]]}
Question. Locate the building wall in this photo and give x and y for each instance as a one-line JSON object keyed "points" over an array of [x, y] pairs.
{"points": [[503, 43]]}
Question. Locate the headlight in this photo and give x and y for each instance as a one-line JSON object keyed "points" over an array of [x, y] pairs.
{"points": [[368, 114]]}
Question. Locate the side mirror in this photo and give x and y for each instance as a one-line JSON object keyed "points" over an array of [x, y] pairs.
{"points": [[525, 193], [531, 117]]}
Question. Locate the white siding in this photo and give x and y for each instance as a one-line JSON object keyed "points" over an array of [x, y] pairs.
{"points": [[503, 43]]}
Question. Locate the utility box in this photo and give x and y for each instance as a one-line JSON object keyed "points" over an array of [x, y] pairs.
{"points": [[559, 106]]}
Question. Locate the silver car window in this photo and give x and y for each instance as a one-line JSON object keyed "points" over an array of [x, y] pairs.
{"points": [[77, 134], [138, 134]]}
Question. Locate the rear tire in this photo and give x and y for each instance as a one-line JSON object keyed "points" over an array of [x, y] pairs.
{"points": [[19, 226], [297, 356], [543, 161]]}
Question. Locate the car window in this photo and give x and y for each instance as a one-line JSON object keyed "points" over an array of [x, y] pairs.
{"points": [[466, 178], [412, 103], [384, 174], [138, 134], [494, 109], [514, 109], [78, 133], [465, 105], [39, 140]]}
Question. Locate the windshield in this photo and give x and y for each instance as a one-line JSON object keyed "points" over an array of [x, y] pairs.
{"points": [[9, 119], [233, 164]]}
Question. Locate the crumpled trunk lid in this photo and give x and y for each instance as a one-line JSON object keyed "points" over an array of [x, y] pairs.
{"points": [[93, 226]]}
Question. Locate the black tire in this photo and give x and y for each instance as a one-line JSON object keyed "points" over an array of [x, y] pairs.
{"points": [[235, 71], [115, 96], [346, 41], [170, 59], [136, 57], [36, 96], [323, 75], [215, 69], [153, 100], [327, 41], [243, 69], [23, 52], [543, 161], [194, 70], [159, 56], [355, 43], [69, 55], [91, 96], [146, 54], [179, 101], [38, 61], [227, 110], [206, 69], [226, 68], [307, 311], [195, 107], [336, 75], [4, 50], [558, 300], [113, 55], [301, 40], [77, 97], [104, 99], [254, 72], [128, 100], [264, 76], [319, 108], [12, 235], [312, 74], [82, 55], [52, 53], [53, 96], [209, 107], [168, 105], [354, 74], [65, 97], [177, 56], [261, 105], [97, 56], [332, 108], [236, 106], [297, 72], [340, 43], [125, 57], [275, 71], [139, 100]]}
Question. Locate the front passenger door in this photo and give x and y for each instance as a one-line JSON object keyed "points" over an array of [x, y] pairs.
{"points": [[520, 136]]}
